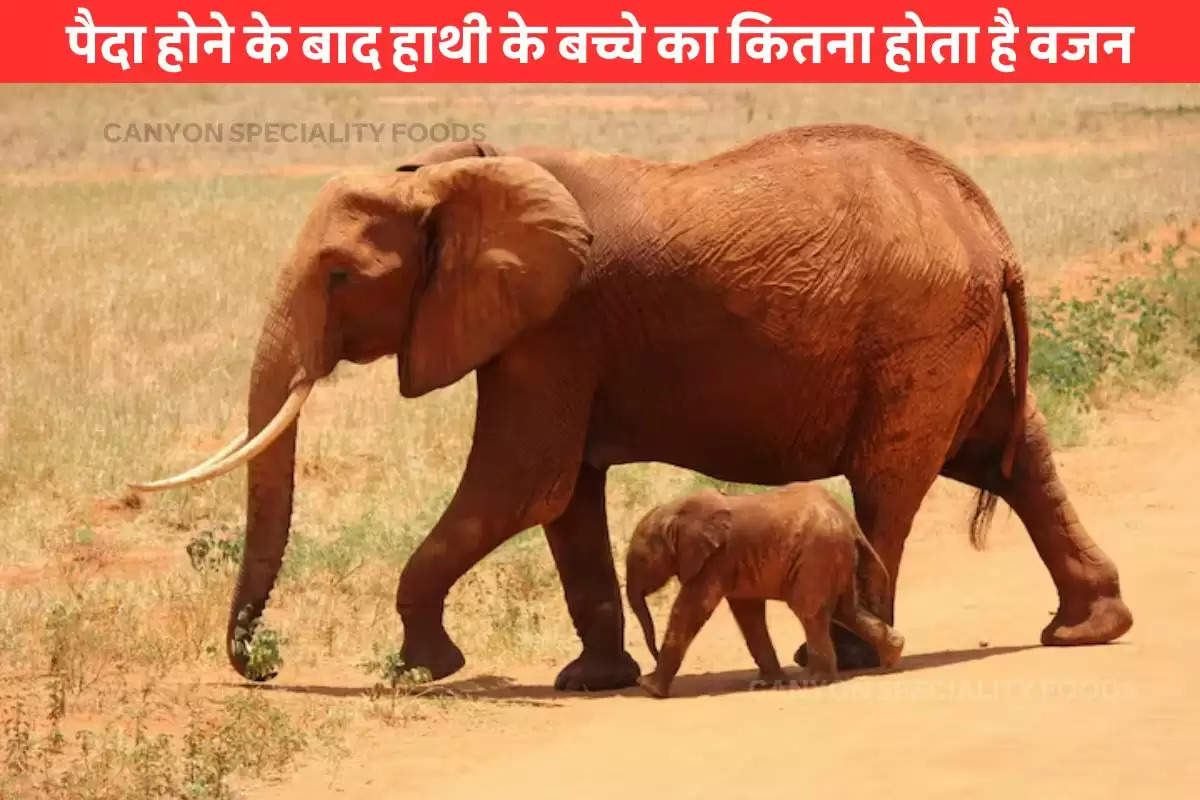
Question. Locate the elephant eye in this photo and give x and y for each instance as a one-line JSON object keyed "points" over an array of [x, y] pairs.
{"points": [[338, 277]]}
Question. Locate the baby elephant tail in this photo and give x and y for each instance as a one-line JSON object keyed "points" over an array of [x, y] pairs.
{"points": [[864, 546]]}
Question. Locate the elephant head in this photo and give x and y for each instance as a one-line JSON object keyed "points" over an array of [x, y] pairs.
{"points": [[441, 264], [674, 539]]}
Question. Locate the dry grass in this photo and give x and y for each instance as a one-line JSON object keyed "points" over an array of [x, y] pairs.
{"points": [[133, 289]]}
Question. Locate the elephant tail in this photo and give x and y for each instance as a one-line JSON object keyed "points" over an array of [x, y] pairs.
{"points": [[985, 501], [981, 518], [1014, 291]]}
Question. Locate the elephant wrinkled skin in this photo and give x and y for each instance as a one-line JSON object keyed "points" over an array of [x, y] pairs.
{"points": [[796, 544], [820, 301]]}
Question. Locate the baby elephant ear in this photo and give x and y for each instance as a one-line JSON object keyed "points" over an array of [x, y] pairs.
{"points": [[702, 526]]}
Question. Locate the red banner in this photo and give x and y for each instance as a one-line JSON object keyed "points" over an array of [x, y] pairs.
{"points": [[769, 41]]}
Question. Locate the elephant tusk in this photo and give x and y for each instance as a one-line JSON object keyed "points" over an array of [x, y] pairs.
{"points": [[232, 445], [227, 459], [228, 448]]}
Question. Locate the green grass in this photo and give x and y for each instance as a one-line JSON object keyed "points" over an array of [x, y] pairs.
{"points": [[1133, 334]]}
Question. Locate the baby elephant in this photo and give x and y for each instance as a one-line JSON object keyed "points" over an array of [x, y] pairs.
{"points": [[795, 543]]}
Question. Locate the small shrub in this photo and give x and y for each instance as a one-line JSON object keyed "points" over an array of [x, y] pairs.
{"points": [[192, 608], [1126, 334], [76, 646], [244, 736], [1066, 420], [250, 736], [1181, 284], [391, 698], [18, 741], [1077, 343], [207, 553], [387, 664], [151, 760]]}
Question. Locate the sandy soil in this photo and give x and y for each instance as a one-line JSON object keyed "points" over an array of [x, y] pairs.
{"points": [[975, 706]]}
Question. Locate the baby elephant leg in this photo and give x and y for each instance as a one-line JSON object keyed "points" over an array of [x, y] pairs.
{"points": [[694, 604], [886, 640], [822, 657], [751, 616]]}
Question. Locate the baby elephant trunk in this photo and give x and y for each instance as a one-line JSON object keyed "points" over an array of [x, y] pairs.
{"points": [[637, 602]]}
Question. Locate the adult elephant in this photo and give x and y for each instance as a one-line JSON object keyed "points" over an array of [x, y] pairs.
{"points": [[823, 300]]}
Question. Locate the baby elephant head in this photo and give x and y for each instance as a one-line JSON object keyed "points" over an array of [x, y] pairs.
{"points": [[674, 539]]}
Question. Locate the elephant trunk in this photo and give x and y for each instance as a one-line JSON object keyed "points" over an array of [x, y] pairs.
{"points": [[277, 380], [637, 603]]}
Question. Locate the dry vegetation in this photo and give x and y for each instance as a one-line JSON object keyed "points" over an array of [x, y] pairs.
{"points": [[134, 277]]}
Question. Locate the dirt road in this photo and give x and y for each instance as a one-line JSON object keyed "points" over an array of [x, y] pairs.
{"points": [[1002, 720]]}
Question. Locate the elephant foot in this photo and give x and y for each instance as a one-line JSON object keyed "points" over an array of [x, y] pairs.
{"points": [[1101, 620], [889, 651], [852, 652], [433, 650], [596, 672], [653, 686]]}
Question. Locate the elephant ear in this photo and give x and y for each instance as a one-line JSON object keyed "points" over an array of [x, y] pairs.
{"points": [[505, 244], [701, 527]]}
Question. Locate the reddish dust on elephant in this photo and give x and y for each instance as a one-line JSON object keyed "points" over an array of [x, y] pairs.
{"points": [[796, 544], [825, 300]]}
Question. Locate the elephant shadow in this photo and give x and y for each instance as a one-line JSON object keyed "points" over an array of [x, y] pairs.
{"points": [[504, 690], [497, 689], [732, 681]]}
